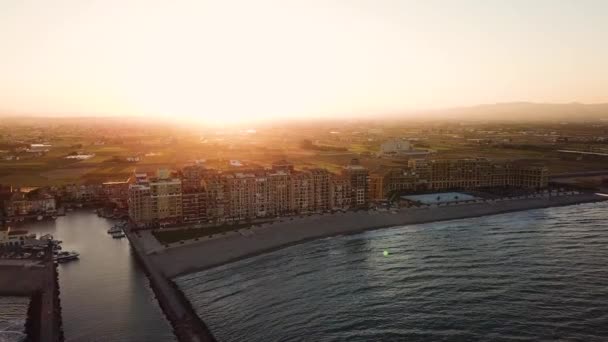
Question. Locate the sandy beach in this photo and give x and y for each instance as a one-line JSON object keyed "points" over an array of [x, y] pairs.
{"points": [[207, 253]]}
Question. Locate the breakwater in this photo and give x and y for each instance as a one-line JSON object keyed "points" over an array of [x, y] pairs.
{"points": [[187, 325]]}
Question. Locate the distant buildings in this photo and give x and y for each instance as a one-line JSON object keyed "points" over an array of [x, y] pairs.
{"points": [[200, 195], [31, 203], [12, 237], [401, 148], [116, 192], [437, 175]]}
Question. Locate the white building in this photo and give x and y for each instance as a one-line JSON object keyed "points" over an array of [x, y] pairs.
{"points": [[400, 147]]}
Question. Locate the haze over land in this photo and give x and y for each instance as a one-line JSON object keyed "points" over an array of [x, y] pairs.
{"points": [[233, 61]]}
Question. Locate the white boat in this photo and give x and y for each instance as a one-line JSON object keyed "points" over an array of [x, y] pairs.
{"points": [[66, 256], [39, 218], [118, 235]]}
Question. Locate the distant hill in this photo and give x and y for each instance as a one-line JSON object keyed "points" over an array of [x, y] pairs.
{"points": [[528, 111]]}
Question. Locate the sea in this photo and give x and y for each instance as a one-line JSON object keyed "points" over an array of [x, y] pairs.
{"points": [[537, 275]]}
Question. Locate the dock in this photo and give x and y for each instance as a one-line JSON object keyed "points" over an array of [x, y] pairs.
{"points": [[187, 325], [38, 280]]}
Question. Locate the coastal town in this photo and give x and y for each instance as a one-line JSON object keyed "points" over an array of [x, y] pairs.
{"points": [[256, 171], [204, 196], [213, 203]]}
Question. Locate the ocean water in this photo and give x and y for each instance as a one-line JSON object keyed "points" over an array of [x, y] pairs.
{"points": [[13, 314], [526, 276]]}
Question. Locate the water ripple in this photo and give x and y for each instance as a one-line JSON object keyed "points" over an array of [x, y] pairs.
{"points": [[527, 276]]}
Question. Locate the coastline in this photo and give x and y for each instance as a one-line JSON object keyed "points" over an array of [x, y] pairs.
{"points": [[208, 253]]}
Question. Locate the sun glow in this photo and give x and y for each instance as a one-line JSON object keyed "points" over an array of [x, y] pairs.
{"points": [[234, 61]]}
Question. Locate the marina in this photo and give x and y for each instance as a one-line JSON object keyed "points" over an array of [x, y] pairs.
{"points": [[123, 300]]}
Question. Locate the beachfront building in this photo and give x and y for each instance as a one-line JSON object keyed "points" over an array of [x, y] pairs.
{"points": [[523, 174], [140, 203], [340, 193], [320, 189], [358, 176], [278, 192], [377, 183], [213, 196], [192, 177], [217, 201], [403, 179], [194, 206], [166, 196], [478, 173], [301, 197], [240, 190], [157, 199]]}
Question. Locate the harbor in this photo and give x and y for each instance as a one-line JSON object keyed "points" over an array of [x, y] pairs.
{"points": [[37, 279], [105, 284]]}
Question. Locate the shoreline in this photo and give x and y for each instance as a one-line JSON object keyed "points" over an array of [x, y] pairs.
{"points": [[204, 254]]}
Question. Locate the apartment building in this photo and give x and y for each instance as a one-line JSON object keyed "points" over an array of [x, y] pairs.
{"points": [[340, 193], [156, 199], [302, 195], [29, 203], [320, 189], [279, 192], [192, 177], [358, 177], [215, 196], [140, 203], [377, 183]]}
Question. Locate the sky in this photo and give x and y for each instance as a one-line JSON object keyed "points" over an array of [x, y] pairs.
{"points": [[230, 61]]}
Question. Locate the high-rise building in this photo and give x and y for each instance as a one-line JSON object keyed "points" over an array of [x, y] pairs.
{"points": [[320, 189], [217, 199], [279, 192], [140, 203], [358, 176], [192, 177], [156, 199], [340, 193], [302, 197]]}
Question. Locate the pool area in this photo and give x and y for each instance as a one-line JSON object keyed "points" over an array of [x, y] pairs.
{"points": [[440, 197]]}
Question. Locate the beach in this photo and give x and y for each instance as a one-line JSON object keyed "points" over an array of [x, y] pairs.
{"points": [[194, 256]]}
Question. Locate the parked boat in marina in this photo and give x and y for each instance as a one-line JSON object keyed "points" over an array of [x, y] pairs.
{"points": [[118, 235], [114, 230], [66, 256]]}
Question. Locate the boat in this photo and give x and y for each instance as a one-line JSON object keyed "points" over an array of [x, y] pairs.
{"points": [[39, 218], [66, 256], [48, 237], [115, 229], [118, 235]]}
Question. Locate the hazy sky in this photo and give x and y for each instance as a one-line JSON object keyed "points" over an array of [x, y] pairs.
{"points": [[228, 60]]}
